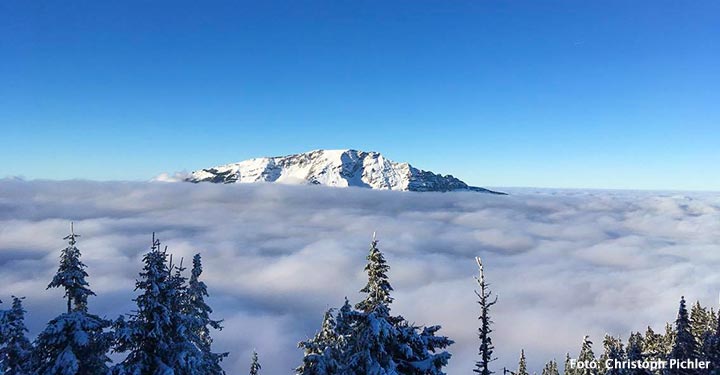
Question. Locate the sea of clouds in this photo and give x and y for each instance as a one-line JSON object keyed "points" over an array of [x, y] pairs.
{"points": [[563, 263]]}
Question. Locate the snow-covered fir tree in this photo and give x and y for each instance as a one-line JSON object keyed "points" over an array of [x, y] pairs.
{"points": [[378, 287], [423, 356], [684, 346], [568, 369], [636, 352], [654, 348], [711, 350], [188, 356], [344, 322], [710, 344], [485, 300], [586, 356], [322, 352], [157, 335], [75, 342], [255, 365], [200, 323], [668, 339], [385, 344], [702, 327], [699, 323], [522, 364], [71, 275], [147, 335], [712, 320], [15, 347], [368, 340], [613, 352], [551, 368]]}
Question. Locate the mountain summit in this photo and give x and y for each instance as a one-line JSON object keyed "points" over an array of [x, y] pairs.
{"points": [[340, 168]]}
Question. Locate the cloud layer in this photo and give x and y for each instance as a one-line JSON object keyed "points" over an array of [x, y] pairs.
{"points": [[564, 263]]}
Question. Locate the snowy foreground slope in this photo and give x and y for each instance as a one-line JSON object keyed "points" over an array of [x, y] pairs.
{"points": [[563, 263], [339, 168]]}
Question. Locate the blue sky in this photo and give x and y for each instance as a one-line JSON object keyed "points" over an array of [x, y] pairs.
{"points": [[598, 94]]}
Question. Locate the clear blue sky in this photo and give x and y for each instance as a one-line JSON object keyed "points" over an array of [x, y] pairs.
{"points": [[600, 94]]}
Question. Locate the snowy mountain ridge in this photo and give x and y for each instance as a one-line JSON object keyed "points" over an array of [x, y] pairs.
{"points": [[339, 168]]}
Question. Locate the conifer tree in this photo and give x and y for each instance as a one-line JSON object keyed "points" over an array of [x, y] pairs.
{"points": [[704, 347], [684, 346], [711, 348], [15, 348], [71, 275], [551, 368], [699, 321], [188, 357], [710, 344], [75, 342], [635, 352], [344, 322], [322, 353], [198, 314], [371, 341], [482, 367], [156, 337], [654, 347], [613, 351], [712, 320], [586, 356], [169, 331], [378, 287], [522, 364], [568, 369], [668, 339], [386, 344], [424, 355], [255, 365]]}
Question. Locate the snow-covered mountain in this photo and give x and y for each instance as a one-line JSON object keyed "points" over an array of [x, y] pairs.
{"points": [[340, 168]]}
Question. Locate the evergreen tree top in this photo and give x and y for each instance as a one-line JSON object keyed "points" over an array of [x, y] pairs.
{"points": [[71, 275], [149, 335], [635, 346], [369, 341], [485, 351], [15, 353], [586, 355], [200, 321], [73, 343], [701, 321], [169, 332], [682, 310], [344, 318], [16, 318], [612, 343], [255, 365], [586, 351], [684, 346], [161, 335], [72, 236], [567, 369], [522, 365], [378, 287], [197, 267], [327, 331], [551, 368]]}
